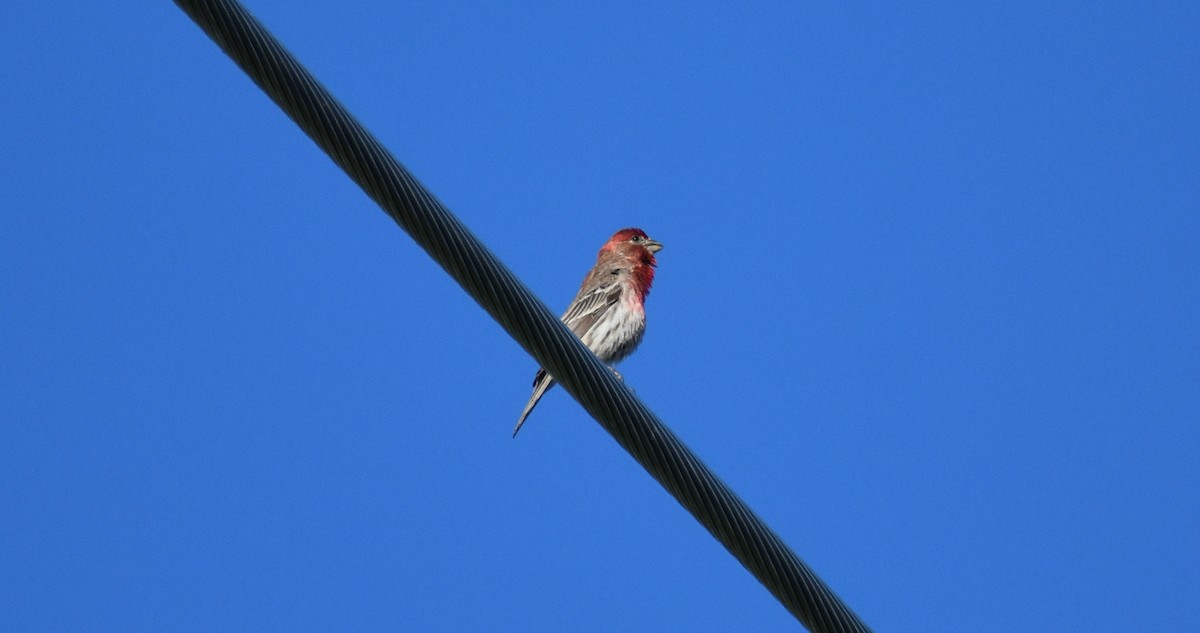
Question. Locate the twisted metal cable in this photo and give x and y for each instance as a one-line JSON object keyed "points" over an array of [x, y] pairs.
{"points": [[521, 314]]}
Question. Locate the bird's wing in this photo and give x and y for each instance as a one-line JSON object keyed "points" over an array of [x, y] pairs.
{"points": [[595, 299]]}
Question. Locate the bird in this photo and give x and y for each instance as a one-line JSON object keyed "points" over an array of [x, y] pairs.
{"points": [[609, 312]]}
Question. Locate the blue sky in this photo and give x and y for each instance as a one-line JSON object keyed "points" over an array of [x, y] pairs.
{"points": [[928, 302]]}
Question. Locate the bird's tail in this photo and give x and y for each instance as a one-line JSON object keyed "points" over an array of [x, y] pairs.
{"points": [[541, 384]]}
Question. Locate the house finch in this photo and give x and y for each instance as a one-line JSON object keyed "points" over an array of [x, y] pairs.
{"points": [[609, 313]]}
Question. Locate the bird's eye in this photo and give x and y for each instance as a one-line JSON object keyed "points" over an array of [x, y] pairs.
{"points": [[637, 238]]}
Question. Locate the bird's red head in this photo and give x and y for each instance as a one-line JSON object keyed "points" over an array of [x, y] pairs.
{"points": [[635, 247], [633, 243]]}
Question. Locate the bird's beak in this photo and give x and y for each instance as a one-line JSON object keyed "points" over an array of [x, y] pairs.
{"points": [[653, 245]]}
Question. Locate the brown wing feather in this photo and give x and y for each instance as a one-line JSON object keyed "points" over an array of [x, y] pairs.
{"points": [[589, 306]]}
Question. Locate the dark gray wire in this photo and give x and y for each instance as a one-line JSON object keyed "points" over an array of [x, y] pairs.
{"points": [[525, 318]]}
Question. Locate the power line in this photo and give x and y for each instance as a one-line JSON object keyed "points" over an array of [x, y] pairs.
{"points": [[525, 318]]}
